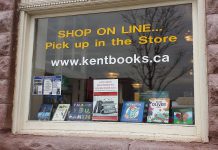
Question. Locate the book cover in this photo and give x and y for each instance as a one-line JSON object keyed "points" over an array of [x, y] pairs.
{"points": [[105, 108], [183, 116], [80, 111], [132, 111], [105, 100], [45, 112], [61, 112], [158, 110]]}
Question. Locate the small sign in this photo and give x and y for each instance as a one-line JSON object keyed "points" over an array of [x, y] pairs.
{"points": [[37, 85], [47, 86], [56, 85], [52, 85]]}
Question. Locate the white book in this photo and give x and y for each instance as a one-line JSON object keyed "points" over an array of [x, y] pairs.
{"points": [[61, 112]]}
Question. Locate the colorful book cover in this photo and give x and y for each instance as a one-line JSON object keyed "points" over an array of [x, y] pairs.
{"points": [[37, 85], [183, 116], [158, 110], [105, 100], [61, 112], [132, 111], [80, 111], [45, 112]]}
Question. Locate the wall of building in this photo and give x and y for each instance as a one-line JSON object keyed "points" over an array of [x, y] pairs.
{"points": [[8, 23], [8, 35], [212, 50]]}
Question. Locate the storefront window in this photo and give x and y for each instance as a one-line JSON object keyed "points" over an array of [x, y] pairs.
{"points": [[121, 66]]}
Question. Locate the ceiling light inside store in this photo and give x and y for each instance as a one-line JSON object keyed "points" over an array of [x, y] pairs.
{"points": [[188, 36], [136, 85], [112, 75]]}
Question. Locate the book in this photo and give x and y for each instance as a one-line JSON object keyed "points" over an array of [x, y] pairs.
{"points": [[158, 110], [105, 100], [183, 116], [132, 111], [80, 111], [61, 112], [45, 112], [145, 96], [105, 108]]}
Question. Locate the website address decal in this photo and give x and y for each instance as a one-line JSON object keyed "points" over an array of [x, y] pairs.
{"points": [[110, 60]]}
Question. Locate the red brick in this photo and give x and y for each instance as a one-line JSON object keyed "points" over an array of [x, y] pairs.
{"points": [[212, 29], [154, 145], [6, 5], [213, 120], [4, 67], [6, 21], [4, 86], [5, 116], [31, 142], [213, 90], [212, 6], [5, 43]]}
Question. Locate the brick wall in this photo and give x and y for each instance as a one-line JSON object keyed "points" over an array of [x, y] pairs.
{"points": [[212, 49], [7, 58]]}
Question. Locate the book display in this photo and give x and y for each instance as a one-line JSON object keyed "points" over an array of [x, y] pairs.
{"points": [[149, 107]]}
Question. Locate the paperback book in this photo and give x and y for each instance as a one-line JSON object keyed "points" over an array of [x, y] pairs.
{"points": [[183, 116], [61, 112], [158, 110], [105, 108], [45, 112], [132, 111], [105, 100], [81, 111]]}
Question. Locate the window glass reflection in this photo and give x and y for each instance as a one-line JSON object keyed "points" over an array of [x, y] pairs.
{"points": [[149, 51]]}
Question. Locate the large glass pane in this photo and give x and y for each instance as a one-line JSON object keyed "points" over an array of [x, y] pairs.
{"points": [[148, 50]]}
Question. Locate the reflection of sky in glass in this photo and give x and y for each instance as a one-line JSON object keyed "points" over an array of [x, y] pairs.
{"points": [[47, 31]]}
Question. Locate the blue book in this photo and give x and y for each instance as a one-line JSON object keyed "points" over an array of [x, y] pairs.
{"points": [[132, 111], [45, 112]]}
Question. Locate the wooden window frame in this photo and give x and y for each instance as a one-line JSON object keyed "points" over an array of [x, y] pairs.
{"points": [[163, 132]]}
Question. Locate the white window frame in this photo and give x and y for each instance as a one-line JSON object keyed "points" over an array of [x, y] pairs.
{"points": [[147, 131]]}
